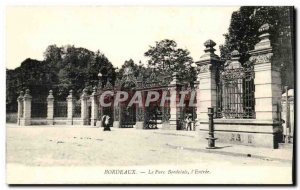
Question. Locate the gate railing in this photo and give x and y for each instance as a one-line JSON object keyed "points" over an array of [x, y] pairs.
{"points": [[39, 109], [235, 92], [60, 109], [77, 108]]}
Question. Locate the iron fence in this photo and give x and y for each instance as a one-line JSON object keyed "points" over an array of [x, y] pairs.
{"points": [[235, 93], [39, 109], [77, 109], [60, 109], [128, 116]]}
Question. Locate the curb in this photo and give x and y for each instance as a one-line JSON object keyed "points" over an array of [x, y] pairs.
{"points": [[214, 151]]}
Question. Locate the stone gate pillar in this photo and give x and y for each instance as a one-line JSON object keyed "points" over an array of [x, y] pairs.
{"points": [[267, 83], [117, 116], [195, 108], [140, 117], [26, 120], [267, 78], [175, 109], [50, 108], [206, 82], [140, 113], [84, 107], [20, 106], [70, 109], [94, 107]]}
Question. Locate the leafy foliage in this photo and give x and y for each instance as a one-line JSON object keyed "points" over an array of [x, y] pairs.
{"points": [[243, 35], [64, 68], [166, 56], [138, 69]]}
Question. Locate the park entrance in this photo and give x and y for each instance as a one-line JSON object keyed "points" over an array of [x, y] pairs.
{"points": [[158, 113]]}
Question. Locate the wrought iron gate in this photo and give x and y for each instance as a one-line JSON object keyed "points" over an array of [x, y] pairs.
{"points": [[128, 116], [235, 92]]}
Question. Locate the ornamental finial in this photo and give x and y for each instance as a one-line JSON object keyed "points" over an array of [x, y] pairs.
{"points": [[264, 28], [209, 46], [27, 92], [235, 53]]}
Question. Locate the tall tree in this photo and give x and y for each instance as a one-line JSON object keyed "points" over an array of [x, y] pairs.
{"points": [[136, 68], [62, 69], [166, 56], [32, 74], [243, 35]]}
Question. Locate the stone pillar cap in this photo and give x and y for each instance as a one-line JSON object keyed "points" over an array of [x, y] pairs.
{"points": [[233, 63], [50, 96], [265, 43], [27, 94], [264, 28], [21, 94], [235, 55], [84, 93], [94, 90], [209, 44], [209, 52], [70, 94]]}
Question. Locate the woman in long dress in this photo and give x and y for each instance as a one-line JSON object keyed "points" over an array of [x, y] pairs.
{"points": [[106, 123]]}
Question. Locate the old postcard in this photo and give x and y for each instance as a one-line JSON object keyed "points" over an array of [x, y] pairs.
{"points": [[150, 95]]}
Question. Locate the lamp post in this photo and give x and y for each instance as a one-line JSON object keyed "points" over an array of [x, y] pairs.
{"points": [[100, 80], [211, 139]]}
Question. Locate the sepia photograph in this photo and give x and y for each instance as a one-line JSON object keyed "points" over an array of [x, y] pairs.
{"points": [[150, 95]]}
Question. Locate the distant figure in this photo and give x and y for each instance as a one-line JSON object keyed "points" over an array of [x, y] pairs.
{"points": [[188, 122], [106, 123]]}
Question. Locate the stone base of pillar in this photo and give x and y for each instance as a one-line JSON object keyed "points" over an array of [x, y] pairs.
{"points": [[116, 124], [98, 124], [69, 122], [171, 125], [25, 122], [165, 125], [196, 125], [50, 121], [83, 122], [93, 122], [139, 125], [257, 133]]}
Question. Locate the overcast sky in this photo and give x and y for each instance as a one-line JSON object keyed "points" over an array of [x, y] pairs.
{"points": [[120, 33]]}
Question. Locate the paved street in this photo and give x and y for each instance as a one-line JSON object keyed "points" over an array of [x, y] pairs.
{"points": [[76, 147]]}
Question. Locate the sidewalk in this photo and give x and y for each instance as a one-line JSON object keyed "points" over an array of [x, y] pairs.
{"points": [[61, 154], [284, 155], [189, 141]]}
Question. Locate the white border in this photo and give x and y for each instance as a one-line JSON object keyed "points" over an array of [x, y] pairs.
{"points": [[5, 3]]}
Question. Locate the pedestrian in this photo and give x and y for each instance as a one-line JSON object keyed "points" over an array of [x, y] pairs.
{"points": [[106, 123], [188, 122]]}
